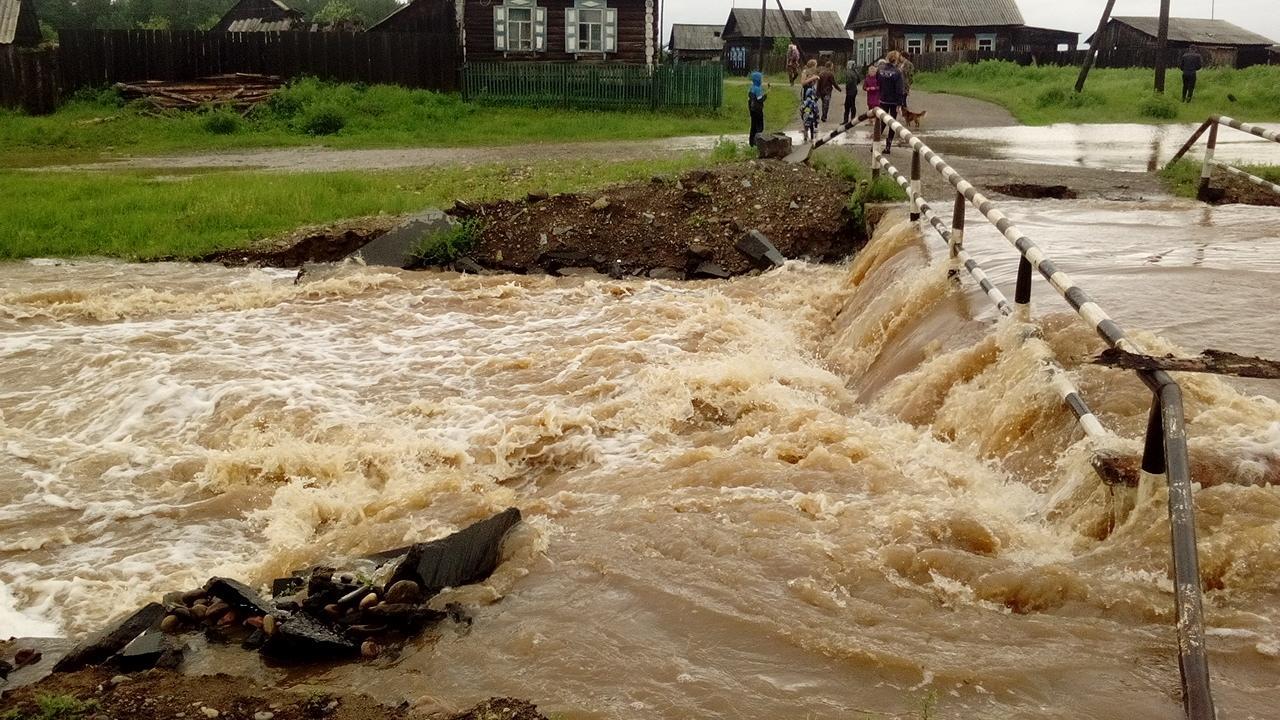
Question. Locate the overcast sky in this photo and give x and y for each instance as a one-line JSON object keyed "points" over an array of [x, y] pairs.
{"points": [[1260, 16]]}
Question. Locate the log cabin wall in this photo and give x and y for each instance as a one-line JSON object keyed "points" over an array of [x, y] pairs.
{"points": [[637, 34]]}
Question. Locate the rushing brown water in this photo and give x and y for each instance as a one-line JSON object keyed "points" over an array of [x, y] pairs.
{"points": [[806, 494]]}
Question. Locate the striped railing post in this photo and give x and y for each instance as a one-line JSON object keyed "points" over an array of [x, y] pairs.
{"points": [[1022, 293], [1206, 171], [915, 186], [875, 154], [957, 225]]}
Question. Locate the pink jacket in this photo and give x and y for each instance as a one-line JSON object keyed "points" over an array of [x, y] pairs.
{"points": [[872, 86]]}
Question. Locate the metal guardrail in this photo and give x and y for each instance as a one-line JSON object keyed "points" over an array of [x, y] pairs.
{"points": [[1210, 162], [1165, 450]]}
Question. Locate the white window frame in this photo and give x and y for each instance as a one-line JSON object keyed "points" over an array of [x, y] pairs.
{"points": [[504, 37], [915, 43], [989, 39], [575, 24], [941, 43]]}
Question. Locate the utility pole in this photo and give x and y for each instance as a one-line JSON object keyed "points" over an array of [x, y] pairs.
{"points": [[764, 12], [1162, 46], [1093, 46]]}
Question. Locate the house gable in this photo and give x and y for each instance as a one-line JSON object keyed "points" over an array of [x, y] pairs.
{"points": [[259, 16], [627, 30], [935, 13], [18, 23]]}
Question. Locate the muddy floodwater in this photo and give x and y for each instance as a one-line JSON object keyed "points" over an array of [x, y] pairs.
{"points": [[821, 491]]}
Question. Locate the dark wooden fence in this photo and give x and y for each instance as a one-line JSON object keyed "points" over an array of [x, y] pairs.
{"points": [[595, 87], [29, 80], [100, 57], [38, 80], [1121, 57]]}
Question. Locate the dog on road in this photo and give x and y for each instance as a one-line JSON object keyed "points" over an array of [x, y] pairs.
{"points": [[913, 119]]}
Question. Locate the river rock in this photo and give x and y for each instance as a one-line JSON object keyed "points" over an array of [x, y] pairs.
{"points": [[370, 649], [171, 624], [101, 646], [710, 270], [405, 592], [774, 147], [368, 601], [302, 637], [666, 273], [467, 266], [467, 556], [239, 595], [537, 196], [281, 587], [269, 625], [601, 204], [191, 597], [757, 247], [151, 649], [6, 667]]}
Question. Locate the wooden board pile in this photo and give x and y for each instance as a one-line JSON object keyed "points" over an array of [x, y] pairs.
{"points": [[241, 91]]}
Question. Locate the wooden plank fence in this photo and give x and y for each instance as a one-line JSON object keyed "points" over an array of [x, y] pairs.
{"points": [[595, 87], [29, 80], [38, 80]]}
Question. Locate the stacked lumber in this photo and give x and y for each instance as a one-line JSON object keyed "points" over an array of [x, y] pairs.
{"points": [[239, 90]]}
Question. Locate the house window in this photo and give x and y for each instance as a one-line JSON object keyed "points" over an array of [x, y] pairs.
{"points": [[520, 29], [915, 44], [942, 43], [986, 42], [590, 26], [520, 26], [590, 30]]}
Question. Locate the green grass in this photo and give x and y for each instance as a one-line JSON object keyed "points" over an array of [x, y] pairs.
{"points": [[868, 191], [1046, 95], [53, 707], [1184, 176], [445, 247], [310, 112], [146, 216]]}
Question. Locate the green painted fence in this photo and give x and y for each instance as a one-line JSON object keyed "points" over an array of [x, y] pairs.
{"points": [[595, 87]]}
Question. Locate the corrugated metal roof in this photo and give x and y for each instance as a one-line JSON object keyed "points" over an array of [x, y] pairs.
{"points": [[697, 38], [824, 24], [261, 25], [946, 13], [1197, 31], [10, 10]]}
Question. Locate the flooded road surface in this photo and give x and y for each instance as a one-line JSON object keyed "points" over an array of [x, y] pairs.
{"points": [[814, 493], [1130, 148]]}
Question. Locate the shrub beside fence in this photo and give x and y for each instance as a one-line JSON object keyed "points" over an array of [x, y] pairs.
{"points": [[595, 87]]}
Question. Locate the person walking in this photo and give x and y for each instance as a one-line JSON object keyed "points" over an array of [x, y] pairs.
{"points": [[809, 76], [908, 77], [793, 63], [892, 92], [1191, 63], [755, 105], [852, 78], [871, 84], [827, 85], [809, 114]]}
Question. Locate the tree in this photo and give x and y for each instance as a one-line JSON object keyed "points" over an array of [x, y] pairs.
{"points": [[336, 11]]}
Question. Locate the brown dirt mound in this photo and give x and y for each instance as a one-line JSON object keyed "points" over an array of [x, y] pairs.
{"points": [[318, 243], [163, 695], [1231, 190], [675, 224]]}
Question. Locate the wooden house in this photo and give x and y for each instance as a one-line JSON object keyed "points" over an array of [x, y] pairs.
{"points": [[1036, 40], [815, 32], [18, 23], [924, 26], [1130, 40], [261, 16], [421, 16], [588, 31], [696, 43]]}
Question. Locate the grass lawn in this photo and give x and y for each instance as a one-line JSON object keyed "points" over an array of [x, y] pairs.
{"points": [[310, 112], [1184, 176], [1046, 95], [146, 215]]}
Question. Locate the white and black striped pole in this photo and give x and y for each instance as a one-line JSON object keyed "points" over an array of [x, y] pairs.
{"points": [[1206, 170], [915, 185], [956, 241]]}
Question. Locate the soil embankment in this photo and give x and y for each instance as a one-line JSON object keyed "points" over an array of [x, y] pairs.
{"points": [[670, 227]]}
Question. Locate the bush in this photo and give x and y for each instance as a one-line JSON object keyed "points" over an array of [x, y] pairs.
{"points": [[445, 247], [323, 120], [1159, 107], [221, 122], [1063, 98], [727, 150]]}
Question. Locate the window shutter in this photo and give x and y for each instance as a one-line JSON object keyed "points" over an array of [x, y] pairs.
{"points": [[500, 28], [571, 30], [540, 29], [610, 30]]}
